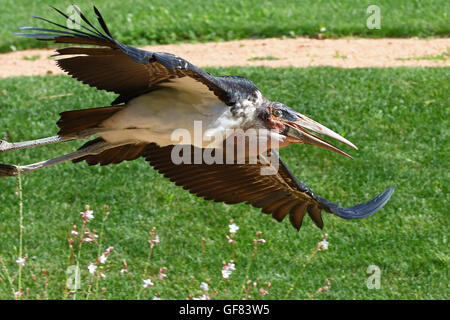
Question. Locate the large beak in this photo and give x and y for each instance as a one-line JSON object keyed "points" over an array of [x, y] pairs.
{"points": [[298, 131]]}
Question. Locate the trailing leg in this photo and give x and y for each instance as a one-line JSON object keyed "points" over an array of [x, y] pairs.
{"points": [[8, 170], [8, 146]]}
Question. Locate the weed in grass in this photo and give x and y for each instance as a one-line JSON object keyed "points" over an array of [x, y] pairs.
{"points": [[21, 260], [326, 287], [77, 240], [148, 283], [321, 246], [18, 293], [254, 289], [337, 55], [31, 58], [266, 58], [436, 58]]}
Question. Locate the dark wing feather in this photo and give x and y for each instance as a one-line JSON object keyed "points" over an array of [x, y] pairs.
{"points": [[114, 155], [125, 70], [102, 22], [279, 194]]}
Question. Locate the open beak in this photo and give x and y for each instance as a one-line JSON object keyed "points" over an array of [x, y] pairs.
{"points": [[298, 131]]}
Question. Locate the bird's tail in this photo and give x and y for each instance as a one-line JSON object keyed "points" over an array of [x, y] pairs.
{"points": [[77, 125], [74, 122]]}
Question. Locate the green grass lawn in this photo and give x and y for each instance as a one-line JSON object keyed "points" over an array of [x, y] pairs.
{"points": [[398, 117], [143, 22]]}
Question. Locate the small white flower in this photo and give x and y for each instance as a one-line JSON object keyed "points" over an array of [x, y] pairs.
{"points": [[228, 269], [231, 266], [74, 233], [92, 267], [148, 283], [89, 214], [21, 261], [323, 29], [102, 275], [204, 286], [154, 241], [102, 258], [226, 273], [156, 298], [233, 228], [323, 245], [203, 297]]}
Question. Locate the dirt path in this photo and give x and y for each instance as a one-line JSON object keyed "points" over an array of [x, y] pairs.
{"points": [[300, 52]]}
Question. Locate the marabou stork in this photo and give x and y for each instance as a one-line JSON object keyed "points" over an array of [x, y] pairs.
{"points": [[159, 93]]}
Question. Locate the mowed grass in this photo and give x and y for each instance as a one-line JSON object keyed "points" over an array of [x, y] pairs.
{"points": [[398, 117], [142, 22]]}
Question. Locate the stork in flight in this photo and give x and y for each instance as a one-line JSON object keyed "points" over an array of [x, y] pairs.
{"points": [[159, 93]]}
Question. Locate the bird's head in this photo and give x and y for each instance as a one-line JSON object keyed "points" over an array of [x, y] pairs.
{"points": [[293, 127]]}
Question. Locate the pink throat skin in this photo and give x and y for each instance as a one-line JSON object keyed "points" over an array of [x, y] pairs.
{"points": [[279, 126]]}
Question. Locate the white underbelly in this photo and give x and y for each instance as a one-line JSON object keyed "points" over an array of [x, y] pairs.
{"points": [[165, 117], [122, 136]]}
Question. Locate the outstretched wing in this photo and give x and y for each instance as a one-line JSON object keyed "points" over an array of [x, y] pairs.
{"points": [[129, 71], [277, 194]]}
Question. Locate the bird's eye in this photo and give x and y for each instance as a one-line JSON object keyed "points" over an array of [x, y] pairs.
{"points": [[277, 113]]}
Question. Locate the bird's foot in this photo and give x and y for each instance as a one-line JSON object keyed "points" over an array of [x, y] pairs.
{"points": [[4, 146], [8, 170]]}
